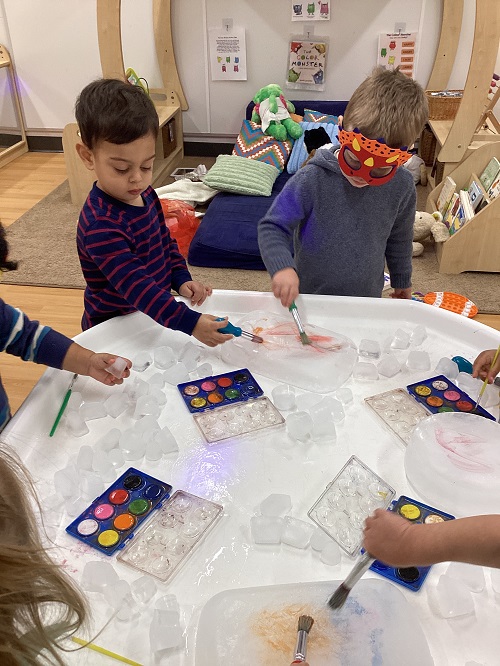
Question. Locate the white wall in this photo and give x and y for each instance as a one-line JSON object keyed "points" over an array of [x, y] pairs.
{"points": [[54, 45]]}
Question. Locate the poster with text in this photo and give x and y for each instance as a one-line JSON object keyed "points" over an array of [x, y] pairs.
{"points": [[306, 63], [228, 54], [398, 50], [311, 11]]}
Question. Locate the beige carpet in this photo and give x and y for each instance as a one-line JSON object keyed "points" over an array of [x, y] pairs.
{"points": [[43, 241]]}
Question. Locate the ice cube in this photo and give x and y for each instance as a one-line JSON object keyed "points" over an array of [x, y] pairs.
{"points": [[453, 598], [190, 355], [153, 450], [147, 405], [116, 592], [96, 575], [137, 388], [116, 457], [164, 357], [167, 441], [418, 361], [91, 485], [296, 533], [284, 397], [75, 424], [319, 539], [116, 404], [333, 407], [369, 348], [142, 361], [307, 400], [148, 424], [400, 339], [299, 425], [389, 366], [92, 410], [203, 370], [143, 589], [330, 554], [495, 580], [84, 458], [132, 445], [323, 421], [266, 529], [177, 374], [468, 384], [158, 395], [471, 575], [103, 466], [117, 369], [74, 507], [276, 505], [168, 604], [345, 396], [75, 401], [418, 335], [365, 371], [108, 441], [157, 381], [66, 482], [127, 610], [163, 636]]}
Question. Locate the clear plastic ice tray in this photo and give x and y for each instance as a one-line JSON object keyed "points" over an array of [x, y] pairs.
{"points": [[170, 538], [348, 500], [399, 411]]}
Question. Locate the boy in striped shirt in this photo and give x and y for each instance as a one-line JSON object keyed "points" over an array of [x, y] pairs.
{"points": [[127, 256]]}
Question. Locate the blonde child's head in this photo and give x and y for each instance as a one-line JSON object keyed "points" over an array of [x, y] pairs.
{"points": [[388, 105], [38, 603]]}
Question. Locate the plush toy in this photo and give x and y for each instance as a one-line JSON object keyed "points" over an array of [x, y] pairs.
{"points": [[272, 111], [428, 225]]}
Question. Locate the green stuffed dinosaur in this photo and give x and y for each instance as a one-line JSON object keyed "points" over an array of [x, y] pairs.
{"points": [[272, 112]]}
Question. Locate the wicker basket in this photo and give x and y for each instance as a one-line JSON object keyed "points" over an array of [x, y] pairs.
{"points": [[427, 146], [443, 108]]}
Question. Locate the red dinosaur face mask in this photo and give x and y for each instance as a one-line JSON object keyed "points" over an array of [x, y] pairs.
{"points": [[369, 159]]}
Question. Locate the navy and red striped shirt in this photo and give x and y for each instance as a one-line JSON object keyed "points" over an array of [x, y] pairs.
{"points": [[130, 262]]}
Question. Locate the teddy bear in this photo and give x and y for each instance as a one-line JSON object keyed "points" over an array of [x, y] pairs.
{"points": [[272, 111], [428, 225]]}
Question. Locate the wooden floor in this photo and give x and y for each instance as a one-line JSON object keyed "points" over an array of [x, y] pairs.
{"points": [[23, 183]]}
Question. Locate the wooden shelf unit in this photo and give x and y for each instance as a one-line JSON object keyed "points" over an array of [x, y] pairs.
{"points": [[474, 247]]}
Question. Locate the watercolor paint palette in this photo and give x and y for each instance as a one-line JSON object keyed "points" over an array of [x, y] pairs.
{"points": [[399, 411], [219, 390], [348, 500], [113, 518], [438, 394], [171, 536], [236, 420], [416, 512]]}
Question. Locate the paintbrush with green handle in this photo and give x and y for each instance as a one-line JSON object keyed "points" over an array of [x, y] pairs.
{"points": [[63, 406], [295, 314]]}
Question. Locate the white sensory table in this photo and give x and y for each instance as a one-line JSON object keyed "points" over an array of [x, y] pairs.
{"points": [[240, 474]]}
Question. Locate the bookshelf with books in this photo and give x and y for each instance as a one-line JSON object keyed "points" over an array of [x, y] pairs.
{"points": [[474, 244]]}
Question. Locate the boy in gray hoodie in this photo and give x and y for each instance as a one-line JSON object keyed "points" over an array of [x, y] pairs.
{"points": [[348, 211]]}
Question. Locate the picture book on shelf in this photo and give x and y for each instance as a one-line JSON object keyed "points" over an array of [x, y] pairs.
{"points": [[452, 209], [444, 198], [494, 190], [490, 173], [475, 195], [466, 205], [459, 219]]}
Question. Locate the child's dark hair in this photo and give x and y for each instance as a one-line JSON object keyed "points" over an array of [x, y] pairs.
{"points": [[5, 264], [115, 111]]}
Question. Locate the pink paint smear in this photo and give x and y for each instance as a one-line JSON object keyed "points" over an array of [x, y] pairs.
{"points": [[463, 449]]}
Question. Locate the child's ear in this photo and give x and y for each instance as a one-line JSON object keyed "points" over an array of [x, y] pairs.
{"points": [[85, 155]]}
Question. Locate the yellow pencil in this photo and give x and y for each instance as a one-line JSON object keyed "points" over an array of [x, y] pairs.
{"points": [[485, 383], [102, 650]]}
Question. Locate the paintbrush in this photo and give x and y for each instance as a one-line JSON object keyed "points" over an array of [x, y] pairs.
{"points": [[101, 650], [295, 314], [63, 406], [303, 629], [238, 332], [485, 383], [338, 598]]}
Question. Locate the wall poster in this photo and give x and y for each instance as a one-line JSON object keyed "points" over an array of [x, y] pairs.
{"points": [[398, 50], [307, 63], [311, 11], [228, 54]]}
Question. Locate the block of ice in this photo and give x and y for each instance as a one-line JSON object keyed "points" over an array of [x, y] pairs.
{"points": [[116, 404], [164, 357], [143, 589], [148, 424], [132, 445], [147, 405], [323, 421], [75, 424], [142, 361], [158, 395], [92, 410], [299, 425], [157, 381], [471, 575], [75, 506], [320, 539], [369, 348], [296, 533], [453, 598], [117, 369], [91, 485], [307, 400], [284, 397], [266, 529], [163, 636], [190, 355], [365, 371], [177, 374], [400, 339], [468, 384], [334, 407], [137, 388], [168, 602], [116, 592], [389, 366], [167, 441], [276, 505], [203, 370], [153, 450], [66, 482], [345, 396], [127, 610], [75, 401], [330, 554], [103, 466], [96, 575], [418, 335], [84, 458], [116, 457], [109, 441], [418, 361]]}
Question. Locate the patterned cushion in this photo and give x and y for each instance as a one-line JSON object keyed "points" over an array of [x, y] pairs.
{"points": [[256, 145], [311, 116], [239, 175], [299, 152]]}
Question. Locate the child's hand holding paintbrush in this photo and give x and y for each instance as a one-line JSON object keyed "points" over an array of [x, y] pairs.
{"points": [[487, 365]]}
